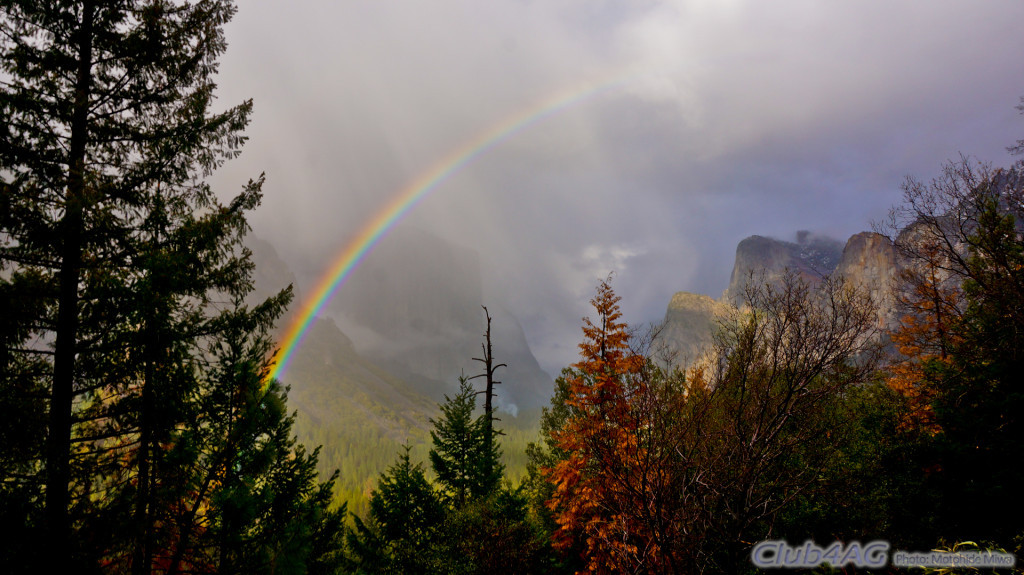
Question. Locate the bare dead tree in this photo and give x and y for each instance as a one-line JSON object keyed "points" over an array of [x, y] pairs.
{"points": [[489, 368]]}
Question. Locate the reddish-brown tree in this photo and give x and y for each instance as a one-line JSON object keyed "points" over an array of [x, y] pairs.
{"points": [[614, 489]]}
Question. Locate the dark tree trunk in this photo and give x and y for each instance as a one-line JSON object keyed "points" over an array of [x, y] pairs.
{"points": [[488, 375], [142, 555], [58, 450]]}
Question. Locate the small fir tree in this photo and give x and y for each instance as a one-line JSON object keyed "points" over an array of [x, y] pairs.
{"points": [[401, 531], [465, 456]]}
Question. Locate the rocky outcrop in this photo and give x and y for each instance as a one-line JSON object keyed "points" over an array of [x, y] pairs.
{"points": [[689, 327], [764, 259], [870, 261]]}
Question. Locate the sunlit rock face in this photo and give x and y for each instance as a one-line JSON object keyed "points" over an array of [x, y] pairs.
{"points": [[764, 259], [689, 327], [870, 262]]}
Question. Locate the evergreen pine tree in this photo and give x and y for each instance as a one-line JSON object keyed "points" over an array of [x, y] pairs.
{"points": [[968, 221], [474, 525], [107, 122], [249, 498], [465, 456], [23, 427], [401, 533], [119, 260]]}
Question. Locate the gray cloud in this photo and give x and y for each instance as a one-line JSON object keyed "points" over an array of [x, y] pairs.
{"points": [[738, 117]]}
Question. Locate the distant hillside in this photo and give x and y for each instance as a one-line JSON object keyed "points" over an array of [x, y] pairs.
{"points": [[414, 307], [363, 409], [359, 413], [270, 273]]}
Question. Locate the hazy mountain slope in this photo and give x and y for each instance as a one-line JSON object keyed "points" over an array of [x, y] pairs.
{"points": [[414, 307], [335, 387], [270, 273], [362, 415], [362, 410], [359, 413]]}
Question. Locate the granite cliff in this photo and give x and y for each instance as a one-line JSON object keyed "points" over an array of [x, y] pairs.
{"points": [[765, 259], [868, 260], [689, 327], [871, 262]]}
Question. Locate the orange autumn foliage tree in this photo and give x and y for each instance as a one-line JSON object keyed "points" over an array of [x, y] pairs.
{"points": [[932, 301], [613, 491]]}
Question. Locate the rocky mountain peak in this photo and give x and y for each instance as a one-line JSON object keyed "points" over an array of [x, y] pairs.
{"points": [[812, 256], [868, 260]]}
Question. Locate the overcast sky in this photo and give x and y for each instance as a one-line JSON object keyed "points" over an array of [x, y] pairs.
{"points": [[736, 118]]}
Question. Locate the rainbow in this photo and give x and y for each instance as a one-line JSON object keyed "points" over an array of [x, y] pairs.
{"points": [[392, 213]]}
